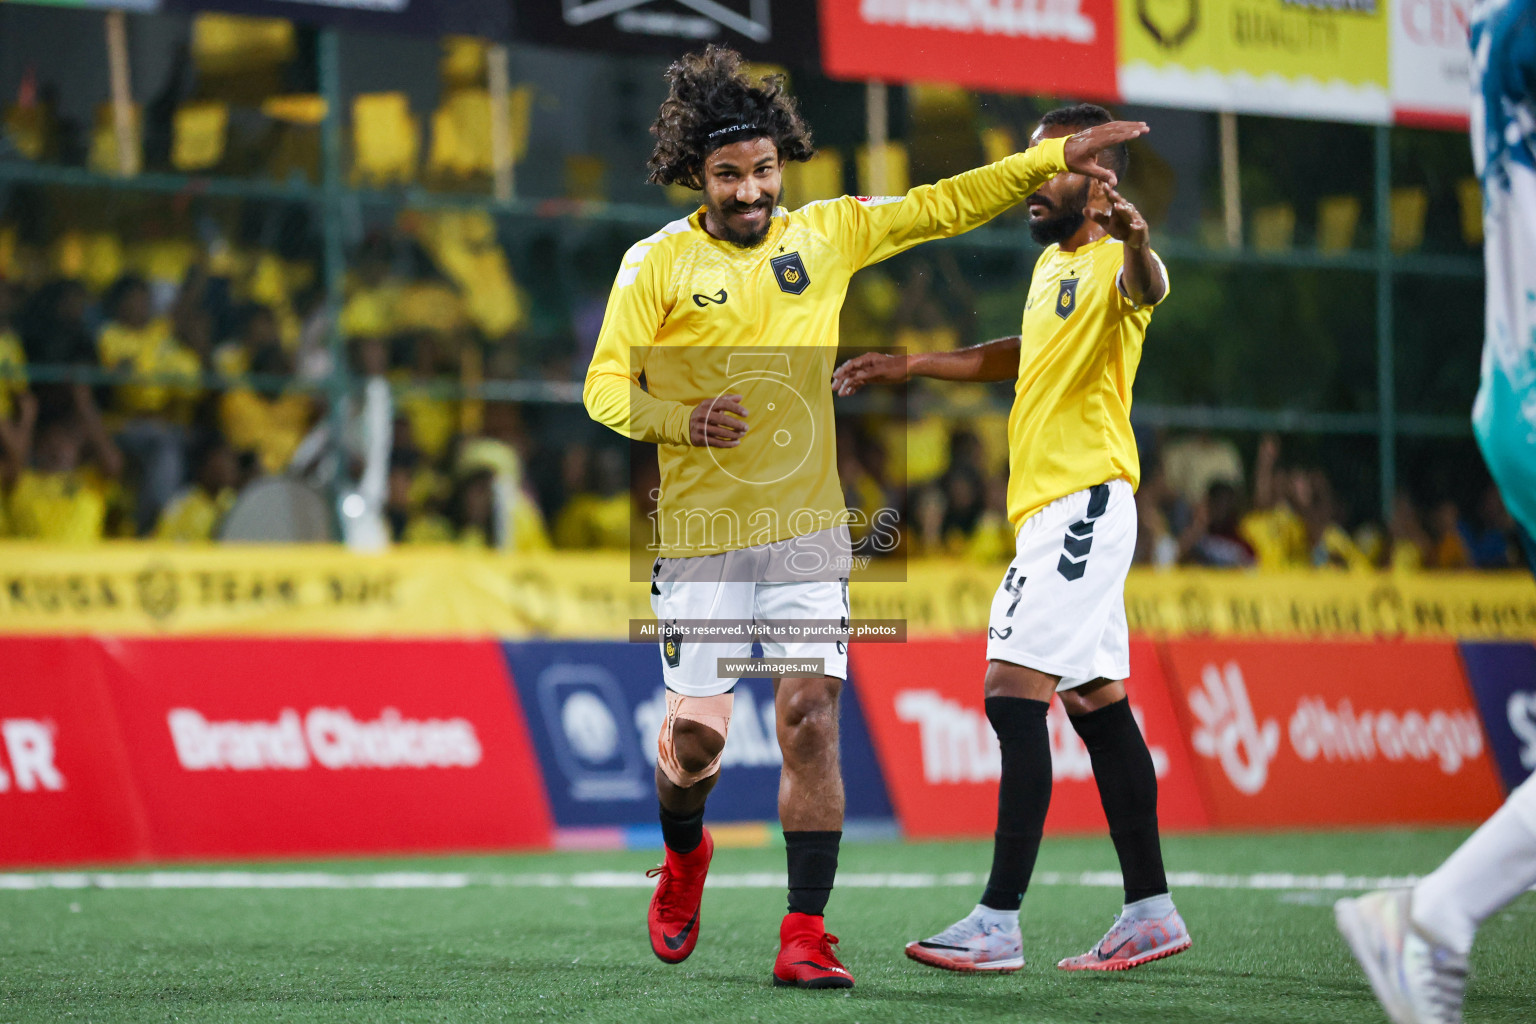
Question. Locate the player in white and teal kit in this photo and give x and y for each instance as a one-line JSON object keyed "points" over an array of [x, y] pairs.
{"points": [[1414, 943], [1504, 148]]}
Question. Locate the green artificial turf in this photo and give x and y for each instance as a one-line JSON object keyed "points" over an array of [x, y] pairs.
{"points": [[493, 953]]}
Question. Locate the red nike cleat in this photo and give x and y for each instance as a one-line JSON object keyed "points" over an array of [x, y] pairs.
{"points": [[674, 915], [805, 958]]}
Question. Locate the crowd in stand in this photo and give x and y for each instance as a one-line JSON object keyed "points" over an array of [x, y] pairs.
{"points": [[206, 383]]}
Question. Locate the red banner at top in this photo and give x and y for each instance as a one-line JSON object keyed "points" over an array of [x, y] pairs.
{"points": [[1051, 47]]}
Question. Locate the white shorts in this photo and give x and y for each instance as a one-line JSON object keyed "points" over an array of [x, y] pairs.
{"points": [[723, 587], [1061, 608]]}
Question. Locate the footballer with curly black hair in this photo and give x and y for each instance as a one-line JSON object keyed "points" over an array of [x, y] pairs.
{"points": [[735, 308]]}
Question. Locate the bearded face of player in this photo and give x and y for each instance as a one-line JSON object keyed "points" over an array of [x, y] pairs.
{"points": [[1058, 209], [742, 185]]}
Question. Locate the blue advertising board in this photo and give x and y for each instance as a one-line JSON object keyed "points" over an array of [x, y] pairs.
{"points": [[594, 711], [1503, 678]]}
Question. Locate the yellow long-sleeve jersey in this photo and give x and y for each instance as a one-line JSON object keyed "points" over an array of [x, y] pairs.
{"points": [[1079, 347], [696, 317]]}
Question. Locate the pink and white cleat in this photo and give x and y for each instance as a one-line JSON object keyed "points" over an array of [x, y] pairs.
{"points": [[972, 943], [1131, 943]]}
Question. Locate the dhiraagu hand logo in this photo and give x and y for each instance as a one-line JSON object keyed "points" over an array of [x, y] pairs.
{"points": [[1228, 731]]}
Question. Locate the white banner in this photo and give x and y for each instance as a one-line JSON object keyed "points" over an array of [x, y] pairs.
{"points": [[1431, 62]]}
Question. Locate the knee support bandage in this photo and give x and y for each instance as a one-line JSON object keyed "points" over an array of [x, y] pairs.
{"points": [[710, 712]]}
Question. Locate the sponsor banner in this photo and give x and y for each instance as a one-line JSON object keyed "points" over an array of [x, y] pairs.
{"points": [[1293, 58], [942, 760], [595, 710], [325, 747], [490, 19], [1503, 678], [66, 794], [134, 589], [136, 6], [1060, 48], [782, 31], [1431, 63], [954, 598], [1332, 734]]}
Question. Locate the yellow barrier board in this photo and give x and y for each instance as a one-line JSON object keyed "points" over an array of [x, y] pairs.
{"points": [[950, 598], [142, 589], [1318, 58]]}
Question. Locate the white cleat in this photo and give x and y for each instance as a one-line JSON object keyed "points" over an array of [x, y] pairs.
{"points": [[1132, 942], [1416, 980], [972, 944]]}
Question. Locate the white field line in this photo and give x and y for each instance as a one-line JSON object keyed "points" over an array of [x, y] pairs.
{"points": [[37, 881]]}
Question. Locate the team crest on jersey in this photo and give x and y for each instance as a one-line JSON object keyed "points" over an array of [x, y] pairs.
{"points": [[671, 647], [790, 271], [1066, 297]]}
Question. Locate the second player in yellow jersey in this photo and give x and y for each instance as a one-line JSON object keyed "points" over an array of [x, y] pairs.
{"points": [[1057, 623]]}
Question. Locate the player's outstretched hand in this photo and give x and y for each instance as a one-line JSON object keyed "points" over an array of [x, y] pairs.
{"points": [[1122, 220], [717, 423], [869, 368], [1082, 150]]}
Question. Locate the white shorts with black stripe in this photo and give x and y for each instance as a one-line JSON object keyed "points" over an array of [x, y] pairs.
{"points": [[1061, 608], [762, 584]]}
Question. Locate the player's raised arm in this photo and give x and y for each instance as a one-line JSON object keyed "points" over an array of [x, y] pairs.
{"points": [[992, 361], [1143, 279], [880, 228]]}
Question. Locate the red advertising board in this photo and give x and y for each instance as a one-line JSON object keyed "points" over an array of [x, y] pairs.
{"points": [[1063, 48], [297, 747], [924, 704], [1332, 733], [66, 793]]}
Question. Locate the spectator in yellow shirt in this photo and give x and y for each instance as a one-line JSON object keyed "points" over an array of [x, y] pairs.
{"points": [[472, 511], [62, 498], [15, 449], [13, 358], [600, 517], [195, 514], [154, 415], [271, 425], [433, 419], [1274, 530]]}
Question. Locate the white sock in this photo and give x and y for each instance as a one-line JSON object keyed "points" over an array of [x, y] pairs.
{"points": [[1005, 919], [1149, 909], [1486, 873]]}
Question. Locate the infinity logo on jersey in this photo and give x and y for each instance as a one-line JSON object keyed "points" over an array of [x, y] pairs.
{"points": [[718, 298]]}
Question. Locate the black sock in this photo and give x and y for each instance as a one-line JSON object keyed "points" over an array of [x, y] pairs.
{"points": [[1023, 796], [812, 867], [1122, 767], [682, 834]]}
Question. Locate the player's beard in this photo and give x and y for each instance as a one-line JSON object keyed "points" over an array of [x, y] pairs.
{"points": [[745, 239], [1062, 220]]}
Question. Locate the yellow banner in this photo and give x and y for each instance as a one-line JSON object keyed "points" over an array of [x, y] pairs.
{"points": [[1297, 58], [951, 598], [143, 589]]}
